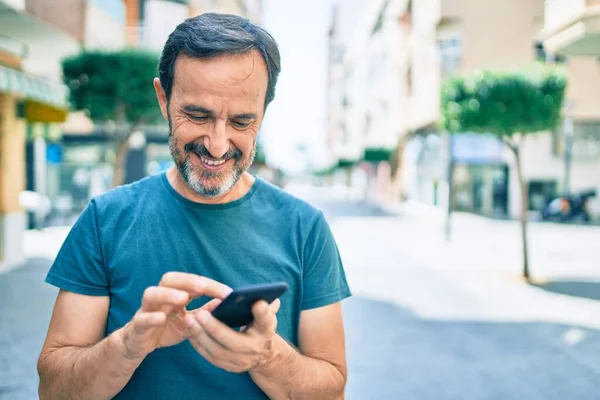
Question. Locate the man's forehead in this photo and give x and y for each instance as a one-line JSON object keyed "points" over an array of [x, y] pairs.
{"points": [[234, 69]]}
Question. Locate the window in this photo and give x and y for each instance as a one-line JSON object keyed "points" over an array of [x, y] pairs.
{"points": [[450, 51], [585, 143]]}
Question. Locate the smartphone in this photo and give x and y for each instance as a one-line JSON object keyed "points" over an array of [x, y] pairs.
{"points": [[236, 309]]}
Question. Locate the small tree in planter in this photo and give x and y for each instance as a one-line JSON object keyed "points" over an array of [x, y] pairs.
{"points": [[510, 105], [114, 87]]}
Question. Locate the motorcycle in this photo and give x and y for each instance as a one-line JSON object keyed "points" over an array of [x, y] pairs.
{"points": [[567, 208]]}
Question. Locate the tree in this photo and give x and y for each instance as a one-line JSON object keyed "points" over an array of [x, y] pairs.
{"points": [[115, 89], [510, 105]]}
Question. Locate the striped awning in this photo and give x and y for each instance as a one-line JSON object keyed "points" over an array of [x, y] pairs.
{"points": [[33, 88]]}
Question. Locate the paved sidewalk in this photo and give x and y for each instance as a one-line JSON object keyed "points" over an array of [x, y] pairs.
{"points": [[26, 307]]}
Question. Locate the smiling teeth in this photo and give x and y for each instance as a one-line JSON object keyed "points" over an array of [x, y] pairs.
{"points": [[212, 162]]}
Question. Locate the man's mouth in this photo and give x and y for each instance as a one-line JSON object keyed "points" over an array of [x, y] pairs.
{"points": [[210, 163]]}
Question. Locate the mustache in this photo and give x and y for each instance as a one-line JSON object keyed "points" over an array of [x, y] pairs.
{"points": [[203, 151]]}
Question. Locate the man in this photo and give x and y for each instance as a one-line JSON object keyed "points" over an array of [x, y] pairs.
{"points": [[146, 263]]}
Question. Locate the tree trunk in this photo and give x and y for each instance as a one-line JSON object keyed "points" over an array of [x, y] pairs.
{"points": [[524, 209], [119, 165]]}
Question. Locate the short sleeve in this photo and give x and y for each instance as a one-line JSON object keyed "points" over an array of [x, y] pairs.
{"points": [[323, 273], [79, 265]]}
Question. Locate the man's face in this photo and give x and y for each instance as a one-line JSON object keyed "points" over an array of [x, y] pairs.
{"points": [[214, 115]]}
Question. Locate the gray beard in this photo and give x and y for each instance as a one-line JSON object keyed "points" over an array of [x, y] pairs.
{"points": [[196, 179]]}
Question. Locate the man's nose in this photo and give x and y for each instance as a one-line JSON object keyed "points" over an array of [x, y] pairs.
{"points": [[217, 142]]}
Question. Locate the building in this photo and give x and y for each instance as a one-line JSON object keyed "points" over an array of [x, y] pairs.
{"points": [[31, 98], [35, 35], [463, 36], [366, 87], [430, 40]]}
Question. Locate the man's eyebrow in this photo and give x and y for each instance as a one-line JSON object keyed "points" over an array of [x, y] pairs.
{"points": [[198, 109], [245, 116]]}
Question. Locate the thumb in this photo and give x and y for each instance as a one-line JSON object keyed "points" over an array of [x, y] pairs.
{"points": [[263, 317]]}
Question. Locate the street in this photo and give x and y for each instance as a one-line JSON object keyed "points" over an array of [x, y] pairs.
{"points": [[428, 320]]}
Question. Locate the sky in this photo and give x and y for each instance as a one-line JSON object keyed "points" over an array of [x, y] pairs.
{"points": [[298, 115]]}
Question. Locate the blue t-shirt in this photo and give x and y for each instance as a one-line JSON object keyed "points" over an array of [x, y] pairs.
{"points": [[126, 239]]}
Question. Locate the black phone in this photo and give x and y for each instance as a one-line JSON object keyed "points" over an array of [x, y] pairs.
{"points": [[236, 309]]}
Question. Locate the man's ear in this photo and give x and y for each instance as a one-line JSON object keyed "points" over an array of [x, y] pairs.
{"points": [[161, 96]]}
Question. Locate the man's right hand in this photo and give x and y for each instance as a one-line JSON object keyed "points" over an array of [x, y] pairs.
{"points": [[160, 322]]}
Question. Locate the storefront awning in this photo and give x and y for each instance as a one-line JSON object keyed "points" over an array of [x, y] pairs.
{"points": [[34, 88]]}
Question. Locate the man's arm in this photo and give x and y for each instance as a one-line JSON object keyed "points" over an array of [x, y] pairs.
{"points": [[318, 369], [76, 362]]}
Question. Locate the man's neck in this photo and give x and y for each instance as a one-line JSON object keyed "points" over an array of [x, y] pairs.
{"points": [[243, 186]]}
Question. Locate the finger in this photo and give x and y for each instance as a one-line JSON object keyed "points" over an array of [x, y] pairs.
{"points": [[157, 298], [222, 334], [264, 319], [210, 349], [211, 305], [144, 321], [195, 285]]}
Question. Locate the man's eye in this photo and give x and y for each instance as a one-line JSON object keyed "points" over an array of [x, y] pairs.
{"points": [[198, 118], [238, 124]]}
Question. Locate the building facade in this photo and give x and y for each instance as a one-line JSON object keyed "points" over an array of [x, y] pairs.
{"points": [[367, 86], [32, 100], [431, 40], [35, 36]]}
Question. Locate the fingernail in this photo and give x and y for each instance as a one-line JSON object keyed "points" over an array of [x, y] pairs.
{"points": [[202, 317], [227, 291]]}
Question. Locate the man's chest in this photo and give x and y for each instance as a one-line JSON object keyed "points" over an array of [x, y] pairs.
{"points": [[234, 257]]}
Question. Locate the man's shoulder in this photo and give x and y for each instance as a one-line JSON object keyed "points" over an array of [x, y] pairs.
{"points": [[129, 195], [288, 204]]}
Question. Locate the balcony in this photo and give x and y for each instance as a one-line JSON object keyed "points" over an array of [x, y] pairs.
{"points": [[572, 27]]}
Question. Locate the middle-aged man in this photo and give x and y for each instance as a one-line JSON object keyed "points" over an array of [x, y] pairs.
{"points": [[138, 271]]}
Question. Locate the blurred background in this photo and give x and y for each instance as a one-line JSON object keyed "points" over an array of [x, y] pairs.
{"points": [[454, 146]]}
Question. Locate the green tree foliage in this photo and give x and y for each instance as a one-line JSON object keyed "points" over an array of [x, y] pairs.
{"points": [[510, 105], [504, 103], [102, 82], [114, 88]]}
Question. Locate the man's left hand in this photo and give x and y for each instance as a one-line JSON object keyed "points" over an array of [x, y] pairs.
{"points": [[231, 350]]}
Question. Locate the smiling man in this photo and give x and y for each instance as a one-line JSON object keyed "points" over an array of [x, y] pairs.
{"points": [[145, 264]]}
